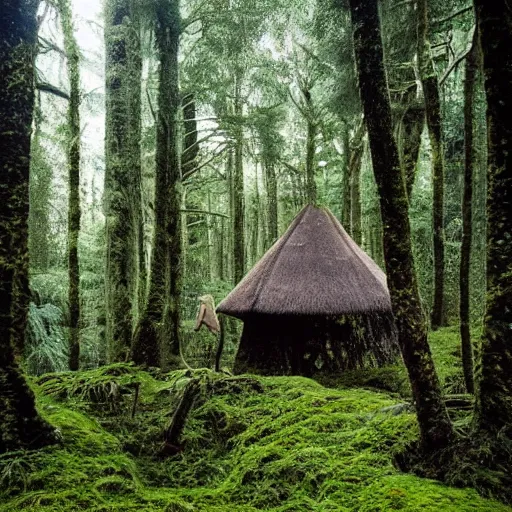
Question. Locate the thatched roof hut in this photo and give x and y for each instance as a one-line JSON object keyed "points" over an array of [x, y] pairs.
{"points": [[314, 294]]}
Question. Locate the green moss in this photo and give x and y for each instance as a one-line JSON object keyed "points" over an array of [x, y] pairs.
{"points": [[445, 346], [251, 443], [392, 378], [446, 349]]}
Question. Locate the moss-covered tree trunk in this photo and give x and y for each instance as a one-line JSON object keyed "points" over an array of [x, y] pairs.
{"points": [[356, 162], [21, 286], [346, 206], [238, 187], [20, 425], [271, 186], [190, 143], [471, 68], [156, 338], [433, 116], [311, 193], [230, 252], [254, 221], [73, 157], [122, 196], [494, 405], [435, 426]]}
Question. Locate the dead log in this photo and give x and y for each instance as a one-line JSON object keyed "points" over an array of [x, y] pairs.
{"points": [[172, 444]]}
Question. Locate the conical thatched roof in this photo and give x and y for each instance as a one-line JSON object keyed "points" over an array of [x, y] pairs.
{"points": [[315, 268]]}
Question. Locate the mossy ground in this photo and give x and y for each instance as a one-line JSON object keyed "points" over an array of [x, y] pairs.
{"points": [[251, 443]]}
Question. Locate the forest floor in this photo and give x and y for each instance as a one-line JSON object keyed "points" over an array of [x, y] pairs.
{"points": [[251, 443]]}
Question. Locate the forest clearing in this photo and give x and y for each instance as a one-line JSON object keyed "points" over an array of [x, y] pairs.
{"points": [[255, 255]]}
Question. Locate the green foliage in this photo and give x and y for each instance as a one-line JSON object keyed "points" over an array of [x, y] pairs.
{"points": [[445, 346], [45, 340], [251, 443], [104, 387], [388, 378]]}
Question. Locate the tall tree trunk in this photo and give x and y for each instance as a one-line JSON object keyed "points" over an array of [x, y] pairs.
{"points": [[74, 212], [311, 193], [433, 115], [230, 251], [412, 125], [346, 207], [156, 337], [263, 237], [138, 280], [255, 221], [238, 189], [184, 231], [494, 407], [123, 209], [271, 186], [471, 68], [435, 426], [222, 234], [20, 425], [210, 234], [190, 143], [356, 161]]}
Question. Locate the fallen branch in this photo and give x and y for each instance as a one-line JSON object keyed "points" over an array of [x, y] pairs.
{"points": [[172, 436]]}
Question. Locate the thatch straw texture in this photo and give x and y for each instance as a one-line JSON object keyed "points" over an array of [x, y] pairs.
{"points": [[315, 268]]}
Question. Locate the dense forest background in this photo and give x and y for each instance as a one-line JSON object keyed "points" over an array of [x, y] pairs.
{"points": [[270, 117], [152, 152]]}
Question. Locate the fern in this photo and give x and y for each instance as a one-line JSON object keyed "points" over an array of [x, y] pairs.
{"points": [[46, 347]]}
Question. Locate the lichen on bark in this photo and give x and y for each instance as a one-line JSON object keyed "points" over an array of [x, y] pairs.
{"points": [[494, 406], [125, 275], [156, 339], [21, 426], [435, 426], [73, 162]]}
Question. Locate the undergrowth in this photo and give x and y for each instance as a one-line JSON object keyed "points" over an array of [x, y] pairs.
{"points": [[251, 443]]}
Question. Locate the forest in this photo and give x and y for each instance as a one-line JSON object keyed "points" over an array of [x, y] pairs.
{"points": [[255, 255]]}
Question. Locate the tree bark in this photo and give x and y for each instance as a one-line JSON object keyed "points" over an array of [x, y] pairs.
{"points": [[156, 337], [433, 116], [356, 161], [74, 213], [190, 145], [471, 68], [255, 222], [123, 176], [271, 185], [346, 207], [238, 189], [230, 251], [21, 427], [494, 407], [435, 426], [311, 192]]}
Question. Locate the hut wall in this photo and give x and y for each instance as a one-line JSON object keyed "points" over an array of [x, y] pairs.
{"points": [[306, 345]]}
